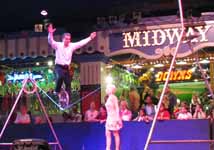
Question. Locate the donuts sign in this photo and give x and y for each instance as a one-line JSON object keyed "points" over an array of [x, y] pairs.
{"points": [[179, 75]]}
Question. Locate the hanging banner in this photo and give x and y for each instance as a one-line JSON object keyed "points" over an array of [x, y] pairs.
{"points": [[152, 42]]}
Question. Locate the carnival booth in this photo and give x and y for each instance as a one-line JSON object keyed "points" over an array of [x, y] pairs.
{"points": [[146, 51], [134, 56]]}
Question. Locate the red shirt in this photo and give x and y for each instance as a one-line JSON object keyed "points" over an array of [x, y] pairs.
{"points": [[163, 115]]}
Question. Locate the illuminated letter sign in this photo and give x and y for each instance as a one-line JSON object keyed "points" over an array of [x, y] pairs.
{"points": [[155, 43], [180, 75], [22, 76], [161, 37]]}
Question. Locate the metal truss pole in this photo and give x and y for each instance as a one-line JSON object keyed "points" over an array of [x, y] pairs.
{"points": [[148, 141]]}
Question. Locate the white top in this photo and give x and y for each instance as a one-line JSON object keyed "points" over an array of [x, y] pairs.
{"points": [[113, 121], [112, 107], [126, 115], [184, 116], [64, 54], [91, 115], [139, 118]]}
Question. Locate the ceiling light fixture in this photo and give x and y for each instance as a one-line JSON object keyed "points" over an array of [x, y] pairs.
{"points": [[44, 13]]}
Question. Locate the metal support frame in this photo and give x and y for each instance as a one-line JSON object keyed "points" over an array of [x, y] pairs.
{"points": [[43, 109], [148, 141], [180, 141]]}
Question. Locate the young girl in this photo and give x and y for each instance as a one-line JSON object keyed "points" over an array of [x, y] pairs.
{"points": [[142, 116]]}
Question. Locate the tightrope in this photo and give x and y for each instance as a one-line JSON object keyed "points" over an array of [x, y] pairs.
{"points": [[70, 105]]}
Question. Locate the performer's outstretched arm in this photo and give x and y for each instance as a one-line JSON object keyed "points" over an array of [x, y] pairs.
{"points": [[83, 42]]}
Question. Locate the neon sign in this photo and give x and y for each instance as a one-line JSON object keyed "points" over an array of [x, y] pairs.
{"points": [[21, 76], [174, 76]]}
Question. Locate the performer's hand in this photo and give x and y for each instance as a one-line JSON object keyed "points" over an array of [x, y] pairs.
{"points": [[93, 35], [51, 29]]}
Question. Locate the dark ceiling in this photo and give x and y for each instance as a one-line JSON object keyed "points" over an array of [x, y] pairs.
{"points": [[80, 15]]}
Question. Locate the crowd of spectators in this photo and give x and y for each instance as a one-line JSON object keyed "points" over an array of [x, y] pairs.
{"points": [[134, 108]]}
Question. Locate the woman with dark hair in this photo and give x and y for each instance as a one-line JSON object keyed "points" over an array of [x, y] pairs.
{"points": [[199, 113], [163, 113], [102, 114]]}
